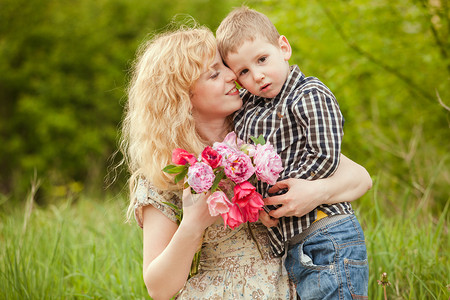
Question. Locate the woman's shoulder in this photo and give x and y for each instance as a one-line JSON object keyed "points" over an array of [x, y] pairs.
{"points": [[166, 201]]}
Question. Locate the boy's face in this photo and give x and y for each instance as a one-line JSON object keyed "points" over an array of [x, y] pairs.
{"points": [[261, 67]]}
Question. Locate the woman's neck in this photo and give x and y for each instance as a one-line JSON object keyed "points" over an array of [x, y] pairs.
{"points": [[213, 131]]}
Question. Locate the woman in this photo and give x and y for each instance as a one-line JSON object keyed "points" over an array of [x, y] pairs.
{"points": [[182, 96]]}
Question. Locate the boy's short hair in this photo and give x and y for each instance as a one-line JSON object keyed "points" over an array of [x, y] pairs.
{"points": [[241, 25]]}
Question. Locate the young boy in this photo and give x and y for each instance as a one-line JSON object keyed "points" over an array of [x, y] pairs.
{"points": [[325, 249]]}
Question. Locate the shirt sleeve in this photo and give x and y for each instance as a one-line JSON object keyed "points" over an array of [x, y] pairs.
{"points": [[318, 113], [146, 194]]}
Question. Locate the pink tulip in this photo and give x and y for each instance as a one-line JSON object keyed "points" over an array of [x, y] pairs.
{"points": [[182, 157], [233, 141], [241, 192], [211, 157], [245, 194], [233, 218], [218, 203], [251, 213]]}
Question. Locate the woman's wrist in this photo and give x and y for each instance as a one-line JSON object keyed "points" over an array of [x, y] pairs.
{"points": [[327, 195], [191, 230]]}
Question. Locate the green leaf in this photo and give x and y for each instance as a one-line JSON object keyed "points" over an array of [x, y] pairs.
{"points": [[174, 169], [181, 175], [168, 168], [258, 141], [173, 206], [178, 211], [216, 181]]}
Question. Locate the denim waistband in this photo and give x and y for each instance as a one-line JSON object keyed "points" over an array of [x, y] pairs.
{"points": [[315, 226]]}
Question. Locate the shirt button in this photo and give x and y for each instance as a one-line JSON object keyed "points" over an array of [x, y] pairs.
{"points": [[312, 173]]}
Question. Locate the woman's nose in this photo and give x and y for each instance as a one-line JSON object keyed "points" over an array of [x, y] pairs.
{"points": [[230, 76]]}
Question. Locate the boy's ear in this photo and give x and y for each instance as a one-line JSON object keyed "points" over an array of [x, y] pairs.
{"points": [[285, 47]]}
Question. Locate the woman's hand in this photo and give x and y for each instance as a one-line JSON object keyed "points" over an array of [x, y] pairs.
{"points": [[301, 198], [348, 183], [196, 212]]}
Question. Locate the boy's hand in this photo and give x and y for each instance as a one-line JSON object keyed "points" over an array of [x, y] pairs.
{"points": [[302, 197], [267, 220]]}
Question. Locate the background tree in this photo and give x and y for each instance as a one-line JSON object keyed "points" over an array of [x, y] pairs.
{"points": [[63, 72]]}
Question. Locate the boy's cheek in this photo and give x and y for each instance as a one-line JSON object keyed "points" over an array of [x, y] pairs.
{"points": [[251, 89], [245, 84]]}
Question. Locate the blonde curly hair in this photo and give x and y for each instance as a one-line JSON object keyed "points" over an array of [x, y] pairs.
{"points": [[158, 115]]}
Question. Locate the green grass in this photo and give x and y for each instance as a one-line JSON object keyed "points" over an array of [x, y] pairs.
{"points": [[410, 245], [83, 250]]}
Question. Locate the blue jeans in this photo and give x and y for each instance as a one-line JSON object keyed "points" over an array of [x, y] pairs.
{"points": [[330, 262]]}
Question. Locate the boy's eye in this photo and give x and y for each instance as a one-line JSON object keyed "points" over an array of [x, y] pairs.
{"points": [[262, 59], [243, 72]]}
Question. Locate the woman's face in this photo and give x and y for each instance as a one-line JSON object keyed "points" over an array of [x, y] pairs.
{"points": [[214, 95]]}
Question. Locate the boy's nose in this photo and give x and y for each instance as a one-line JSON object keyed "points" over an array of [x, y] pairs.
{"points": [[259, 76]]}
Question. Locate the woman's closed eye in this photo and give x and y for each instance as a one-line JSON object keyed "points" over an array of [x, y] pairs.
{"points": [[214, 75]]}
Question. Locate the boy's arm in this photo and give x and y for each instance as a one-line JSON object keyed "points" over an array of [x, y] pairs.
{"points": [[319, 115]]}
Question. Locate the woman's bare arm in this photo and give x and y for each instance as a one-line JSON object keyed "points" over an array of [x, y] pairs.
{"points": [[348, 183], [169, 249]]}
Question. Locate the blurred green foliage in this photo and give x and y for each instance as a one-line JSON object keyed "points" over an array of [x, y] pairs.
{"points": [[63, 73], [386, 62]]}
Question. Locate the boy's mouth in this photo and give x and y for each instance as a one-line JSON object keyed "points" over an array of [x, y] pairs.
{"points": [[265, 87]]}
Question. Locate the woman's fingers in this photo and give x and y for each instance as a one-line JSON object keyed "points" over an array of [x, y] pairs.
{"points": [[280, 185]]}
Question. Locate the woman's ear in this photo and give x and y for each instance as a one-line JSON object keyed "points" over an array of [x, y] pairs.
{"points": [[285, 47]]}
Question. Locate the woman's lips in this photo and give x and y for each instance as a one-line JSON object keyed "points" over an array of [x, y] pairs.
{"points": [[233, 91]]}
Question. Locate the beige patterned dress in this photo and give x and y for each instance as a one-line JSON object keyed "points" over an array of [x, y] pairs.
{"points": [[232, 264]]}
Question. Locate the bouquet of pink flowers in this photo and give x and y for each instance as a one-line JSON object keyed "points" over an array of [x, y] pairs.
{"points": [[226, 165]]}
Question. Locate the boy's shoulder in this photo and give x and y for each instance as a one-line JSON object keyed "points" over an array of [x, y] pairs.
{"points": [[298, 86], [311, 84]]}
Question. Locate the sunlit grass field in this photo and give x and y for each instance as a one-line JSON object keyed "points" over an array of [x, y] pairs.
{"points": [[83, 250]]}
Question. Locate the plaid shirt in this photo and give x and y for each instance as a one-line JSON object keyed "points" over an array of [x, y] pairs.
{"points": [[305, 126]]}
